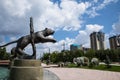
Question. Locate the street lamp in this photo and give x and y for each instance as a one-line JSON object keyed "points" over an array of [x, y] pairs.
{"points": [[49, 56]]}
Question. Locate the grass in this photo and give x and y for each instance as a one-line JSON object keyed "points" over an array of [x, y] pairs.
{"points": [[100, 67]]}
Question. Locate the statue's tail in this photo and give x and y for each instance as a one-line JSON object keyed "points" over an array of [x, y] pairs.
{"points": [[9, 43]]}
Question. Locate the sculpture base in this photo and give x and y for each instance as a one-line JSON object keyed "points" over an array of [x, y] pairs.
{"points": [[26, 70]]}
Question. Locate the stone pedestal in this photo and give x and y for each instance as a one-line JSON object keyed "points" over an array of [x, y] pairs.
{"points": [[26, 70]]}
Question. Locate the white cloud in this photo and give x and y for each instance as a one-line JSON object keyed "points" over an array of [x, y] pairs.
{"points": [[15, 15], [83, 36], [13, 38], [98, 5], [67, 16], [90, 28], [95, 1], [16, 8], [116, 26], [1, 39], [105, 3], [46, 47], [14, 20], [57, 46]]}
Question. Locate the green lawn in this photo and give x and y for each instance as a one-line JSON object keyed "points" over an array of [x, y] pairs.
{"points": [[100, 67]]}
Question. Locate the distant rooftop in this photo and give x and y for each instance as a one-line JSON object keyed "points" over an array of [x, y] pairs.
{"points": [[75, 45], [114, 36]]}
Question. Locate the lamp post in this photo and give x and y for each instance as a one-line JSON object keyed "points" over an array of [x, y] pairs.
{"points": [[49, 55]]}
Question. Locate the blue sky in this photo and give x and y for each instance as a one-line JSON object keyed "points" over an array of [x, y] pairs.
{"points": [[107, 16], [72, 20]]}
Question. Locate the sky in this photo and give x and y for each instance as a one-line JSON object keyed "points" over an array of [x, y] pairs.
{"points": [[72, 20]]}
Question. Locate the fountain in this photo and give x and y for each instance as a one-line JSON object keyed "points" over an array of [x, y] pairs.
{"points": [[47, 75], [24, 66]]}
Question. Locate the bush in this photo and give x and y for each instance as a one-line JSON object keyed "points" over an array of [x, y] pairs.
{"points": [[94, 62], [81, 61]]}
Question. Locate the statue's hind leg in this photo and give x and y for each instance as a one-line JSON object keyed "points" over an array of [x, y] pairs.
{"points": [[13, 53], [22, 54], [12, 57]]}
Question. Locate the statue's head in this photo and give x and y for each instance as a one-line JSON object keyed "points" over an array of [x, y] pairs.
{"points": [[48, 31]]}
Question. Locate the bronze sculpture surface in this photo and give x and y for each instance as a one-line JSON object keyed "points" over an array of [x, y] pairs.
{"points": [[33, 38]]}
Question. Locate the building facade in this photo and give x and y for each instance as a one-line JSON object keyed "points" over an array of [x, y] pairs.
{"points": [[75, 47], [97, 40], [114, 42]]}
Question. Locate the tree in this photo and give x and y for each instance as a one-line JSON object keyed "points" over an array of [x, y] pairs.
{"points": [[60, 57], [54, 57], [90, 54], [79, 53], [100, 54], [3, 54], [115, 56], [68, 56], [45, 56]]}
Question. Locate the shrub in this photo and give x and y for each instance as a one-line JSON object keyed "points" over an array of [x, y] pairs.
{"points": [[81, 61]]}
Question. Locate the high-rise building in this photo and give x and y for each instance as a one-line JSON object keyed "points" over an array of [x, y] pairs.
{"points": [[97, 40], [75, 47], [114, 42]]}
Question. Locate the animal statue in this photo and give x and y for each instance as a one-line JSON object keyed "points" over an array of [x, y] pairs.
{"points": [[39, 37], [95, 61], [81, 61]]}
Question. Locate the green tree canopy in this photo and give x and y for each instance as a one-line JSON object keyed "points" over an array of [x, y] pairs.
{"points": [[3, 54]]}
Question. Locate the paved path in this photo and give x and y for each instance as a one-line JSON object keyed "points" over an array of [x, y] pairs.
{"points": [[84, 74]]}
